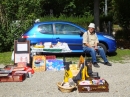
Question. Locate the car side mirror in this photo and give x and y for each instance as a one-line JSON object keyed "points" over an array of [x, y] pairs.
{"points": [[81, 33]]}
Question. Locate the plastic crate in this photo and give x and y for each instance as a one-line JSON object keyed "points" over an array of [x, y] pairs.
{"points": [[50, 57]]}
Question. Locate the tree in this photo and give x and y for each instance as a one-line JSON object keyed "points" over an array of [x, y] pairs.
{"points": [[96, 14], [68, 7], [15, 17], [122, 13]]}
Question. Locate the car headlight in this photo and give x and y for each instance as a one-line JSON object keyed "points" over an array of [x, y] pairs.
{"points": [[109, 37]]}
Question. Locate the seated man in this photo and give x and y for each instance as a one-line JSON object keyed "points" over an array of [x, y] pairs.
{"points": [[90, 42]]}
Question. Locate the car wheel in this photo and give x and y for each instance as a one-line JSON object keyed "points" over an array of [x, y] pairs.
{"points": [[103, 46]]}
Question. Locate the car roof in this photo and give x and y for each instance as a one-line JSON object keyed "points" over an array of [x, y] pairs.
{"points": [[54, 21], [59, 21]]}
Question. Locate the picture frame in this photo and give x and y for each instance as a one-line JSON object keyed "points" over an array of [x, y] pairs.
{"points": [[22, 51], [21, 47]]}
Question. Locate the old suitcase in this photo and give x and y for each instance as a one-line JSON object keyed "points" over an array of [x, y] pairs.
{"points": [[93, 88], [14, 77], [19, 77]]}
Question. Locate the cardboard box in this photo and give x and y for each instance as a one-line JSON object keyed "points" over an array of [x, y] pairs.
{"points": [[54, 64], [39, 63]]}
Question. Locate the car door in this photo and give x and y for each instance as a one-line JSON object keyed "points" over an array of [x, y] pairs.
{"points": [[69, 34]]}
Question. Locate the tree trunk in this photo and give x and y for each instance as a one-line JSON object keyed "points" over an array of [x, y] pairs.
{"points": [[96, 15]]}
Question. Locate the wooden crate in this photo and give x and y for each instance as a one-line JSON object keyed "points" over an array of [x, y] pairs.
{"points": [[93, 88]]}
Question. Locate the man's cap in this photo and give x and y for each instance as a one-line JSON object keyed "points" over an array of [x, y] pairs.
{"points": [[92, 25]]}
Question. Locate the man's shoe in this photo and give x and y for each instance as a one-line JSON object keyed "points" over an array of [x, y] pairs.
{"points": [[96, 65], [108, 64]]}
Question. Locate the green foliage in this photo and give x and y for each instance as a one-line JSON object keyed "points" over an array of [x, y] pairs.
{"points": [[122, 13], [15, 17], [123, 34], [104, 20], [81, 20], [67, 7]]}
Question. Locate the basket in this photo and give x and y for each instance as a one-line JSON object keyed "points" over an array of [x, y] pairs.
{"points": [[65, 89]]}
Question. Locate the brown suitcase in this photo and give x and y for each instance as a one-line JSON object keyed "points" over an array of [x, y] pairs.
{"points": [[18, 77], [93, 88]]}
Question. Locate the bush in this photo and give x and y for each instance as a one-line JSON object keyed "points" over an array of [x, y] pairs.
{"points": [[123, 38]]}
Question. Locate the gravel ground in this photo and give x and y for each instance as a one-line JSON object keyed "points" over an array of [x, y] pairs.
{"points": [[43, 84]]}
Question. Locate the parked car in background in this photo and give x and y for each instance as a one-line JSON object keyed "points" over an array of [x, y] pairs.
{"points": [[68, 32]]}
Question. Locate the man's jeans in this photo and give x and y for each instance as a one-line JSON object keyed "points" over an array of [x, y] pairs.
{"points": [[92, 52]]}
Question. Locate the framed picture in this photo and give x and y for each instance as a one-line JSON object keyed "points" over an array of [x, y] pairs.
{"points": [[22, 47], [22, 52], [23, 57]]}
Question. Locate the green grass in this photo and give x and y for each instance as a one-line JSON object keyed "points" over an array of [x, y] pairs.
{"points": [[5, 58], [121, 55], [118, 56]]}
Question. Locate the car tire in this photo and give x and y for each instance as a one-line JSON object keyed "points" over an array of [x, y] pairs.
{"points": [[103, 46]]}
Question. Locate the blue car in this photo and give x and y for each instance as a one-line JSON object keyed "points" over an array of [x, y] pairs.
{"points": [[63, 31]]}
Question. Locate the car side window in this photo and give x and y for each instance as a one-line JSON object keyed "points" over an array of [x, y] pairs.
{"points": [[66, 29], [45, 29], [58, 28]]}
